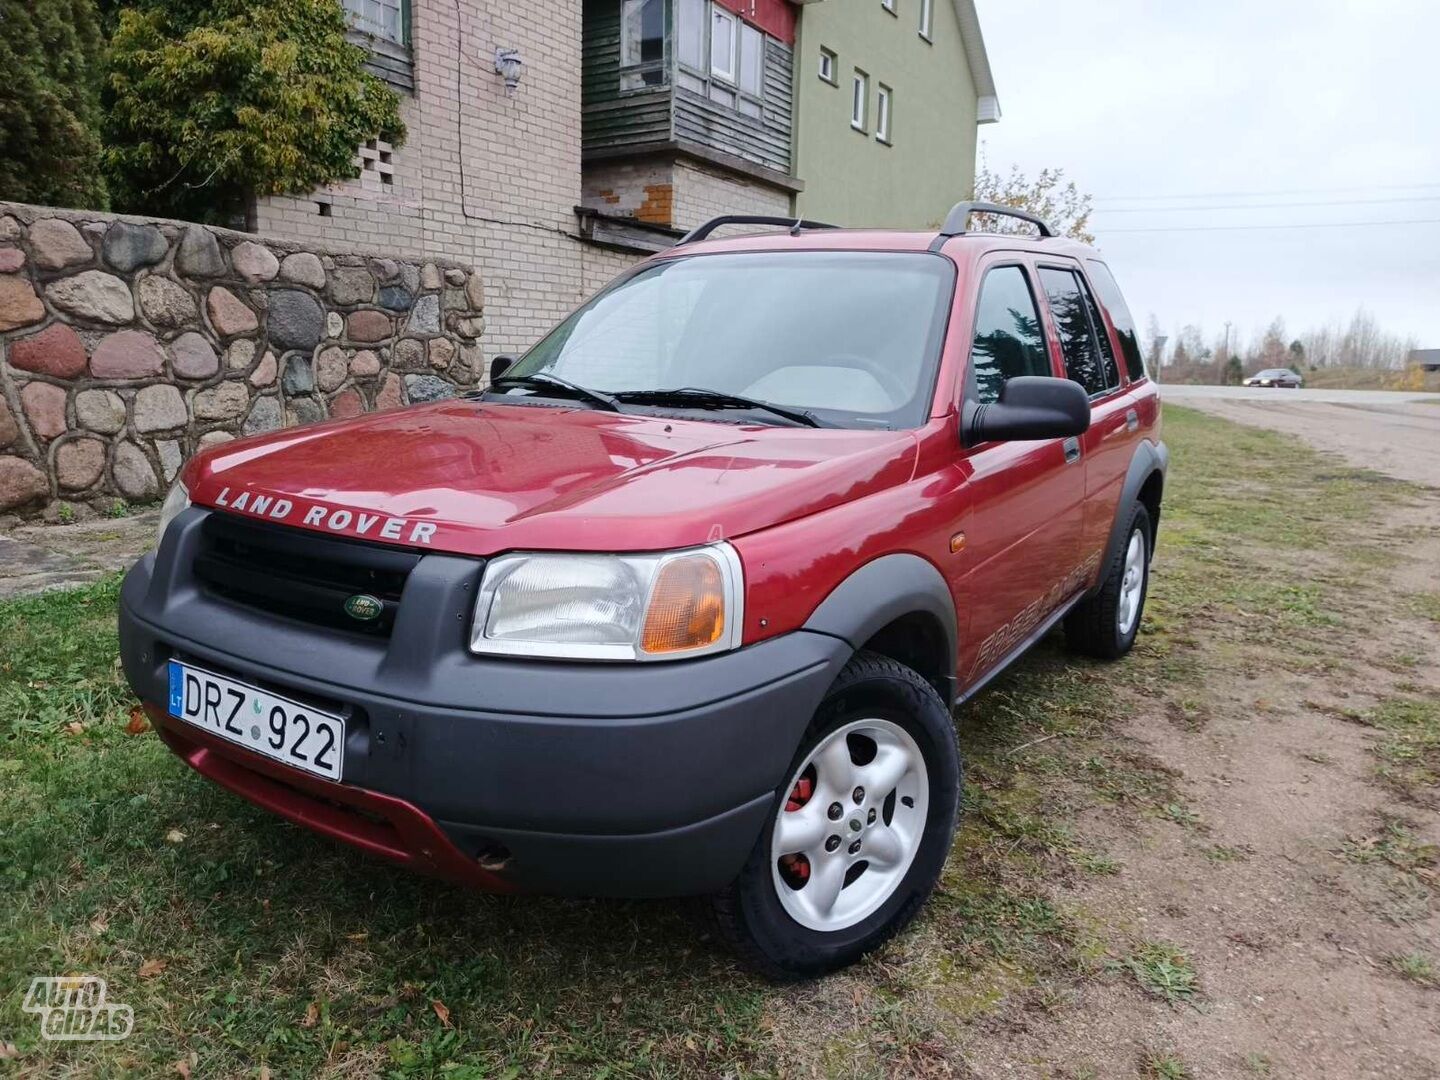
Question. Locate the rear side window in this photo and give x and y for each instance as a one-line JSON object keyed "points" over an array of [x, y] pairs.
{"points": [[1114, 302], [1072, 309], [1008, 338]]}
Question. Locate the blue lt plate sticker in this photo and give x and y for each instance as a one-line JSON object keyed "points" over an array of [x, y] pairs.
{"points": [[177, 689]]}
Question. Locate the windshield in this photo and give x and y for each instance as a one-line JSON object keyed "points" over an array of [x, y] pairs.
{"points": [[851, 338]]}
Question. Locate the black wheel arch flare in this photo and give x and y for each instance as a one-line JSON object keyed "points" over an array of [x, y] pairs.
{"points": [[898, 603]]}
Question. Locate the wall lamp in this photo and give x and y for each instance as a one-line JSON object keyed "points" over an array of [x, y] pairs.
{"points": [[509, 65]]}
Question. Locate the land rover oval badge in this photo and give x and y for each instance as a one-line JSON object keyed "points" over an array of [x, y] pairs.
{"points": [[363, 608]]}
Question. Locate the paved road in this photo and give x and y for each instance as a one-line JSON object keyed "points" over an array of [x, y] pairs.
{"points": [[1394, 432]]}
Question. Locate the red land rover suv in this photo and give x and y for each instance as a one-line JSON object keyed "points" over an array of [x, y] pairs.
{"points": [[681, 603]]}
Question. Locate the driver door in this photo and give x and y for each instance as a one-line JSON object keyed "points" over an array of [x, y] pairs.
{"points": [[1022, 501]]}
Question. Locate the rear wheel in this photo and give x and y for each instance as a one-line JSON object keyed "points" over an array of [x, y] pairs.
{"points": [[1105, 624], [859, 832]]}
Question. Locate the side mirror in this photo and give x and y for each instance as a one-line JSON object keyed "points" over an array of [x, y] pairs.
{"points": [[1030, 407], [500, 365]]}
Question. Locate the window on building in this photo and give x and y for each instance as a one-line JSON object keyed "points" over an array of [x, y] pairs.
{"points": [[1119, 313], [1008, 339], [927, 15], [752, 60], [860, 95], [383, 19], [889, 5], [721, 56], [642, 44], [1070, 308], [827, 65], [690, 17], [723, 42], [882, 113]]}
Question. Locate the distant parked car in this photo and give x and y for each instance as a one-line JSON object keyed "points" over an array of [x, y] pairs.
{"points": [[1275, 377]]}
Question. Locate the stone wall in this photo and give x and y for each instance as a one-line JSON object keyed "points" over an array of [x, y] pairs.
{"points": [[126, 344]]}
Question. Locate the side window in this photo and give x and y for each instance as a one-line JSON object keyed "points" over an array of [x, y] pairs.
{"points": [[1070, 307], [1008, 339], [1114, 302], [1107, 347]]}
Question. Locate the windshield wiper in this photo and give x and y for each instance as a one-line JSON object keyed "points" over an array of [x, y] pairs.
{"points": [[546, 381], [694, 397]]}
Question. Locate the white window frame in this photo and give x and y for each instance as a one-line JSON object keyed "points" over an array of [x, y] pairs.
{"points": [[360, 12], [884, 101], [721, 86], [719, 14], [889, 5], [827, 65], [927, 18], [859, 100]]}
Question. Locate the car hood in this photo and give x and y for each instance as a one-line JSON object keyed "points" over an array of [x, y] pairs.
{"points": [[476, 478]]}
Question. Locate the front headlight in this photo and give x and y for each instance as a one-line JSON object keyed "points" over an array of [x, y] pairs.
{"points": [[668, 606], [177, 501]]}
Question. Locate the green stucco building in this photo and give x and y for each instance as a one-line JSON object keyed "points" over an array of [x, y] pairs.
{"points": [[888, 95]]}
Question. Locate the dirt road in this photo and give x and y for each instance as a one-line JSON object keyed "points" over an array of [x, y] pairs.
{"points": [[1394, 433]]}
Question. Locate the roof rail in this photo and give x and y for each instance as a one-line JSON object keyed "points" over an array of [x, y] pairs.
{"points": [[700, 232], [959, 217]]}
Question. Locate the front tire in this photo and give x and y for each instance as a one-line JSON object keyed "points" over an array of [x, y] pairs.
{"points": [[1105, 625], [822, 888]]}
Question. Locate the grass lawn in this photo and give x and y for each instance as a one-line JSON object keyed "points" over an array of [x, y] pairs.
{"points": [[248, 947]]}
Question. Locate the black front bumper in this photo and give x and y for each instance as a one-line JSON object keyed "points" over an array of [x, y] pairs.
{"points": [[619, 780]]}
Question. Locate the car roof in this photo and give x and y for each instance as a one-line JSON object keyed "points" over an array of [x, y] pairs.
{"points": [[967, 245]]}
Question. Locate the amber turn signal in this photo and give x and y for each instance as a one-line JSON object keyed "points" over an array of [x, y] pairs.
{"points": [[687, 606]]}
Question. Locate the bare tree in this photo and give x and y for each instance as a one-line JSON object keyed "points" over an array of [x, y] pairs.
{"points": [[1047, 196], [1153, 347], [1189, 346], [1272, 351], [1359, 344]]}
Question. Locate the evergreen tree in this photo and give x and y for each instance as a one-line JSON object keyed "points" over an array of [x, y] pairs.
{"points": [[213, 104], [50, 54]]}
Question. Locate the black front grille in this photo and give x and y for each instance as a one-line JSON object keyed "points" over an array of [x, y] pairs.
{"points": [[301, 576]]}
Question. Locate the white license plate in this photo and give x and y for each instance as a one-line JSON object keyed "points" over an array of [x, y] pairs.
{"points": [[281, 729]]}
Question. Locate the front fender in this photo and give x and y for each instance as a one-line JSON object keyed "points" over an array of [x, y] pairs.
{"points": [[882, 591]]}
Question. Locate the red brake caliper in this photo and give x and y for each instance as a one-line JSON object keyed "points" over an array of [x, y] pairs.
{"points": [[800, 793], [795, 868]]}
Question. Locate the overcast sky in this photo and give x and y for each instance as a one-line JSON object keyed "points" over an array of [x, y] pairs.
{"points": [[1319, 101]]}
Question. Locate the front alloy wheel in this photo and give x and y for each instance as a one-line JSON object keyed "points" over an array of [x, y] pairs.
{"points": [[859, 831], [851, 825]]}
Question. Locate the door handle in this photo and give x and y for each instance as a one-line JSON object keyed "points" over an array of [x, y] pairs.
{"points": [[1072, 450], [1132, 420]]}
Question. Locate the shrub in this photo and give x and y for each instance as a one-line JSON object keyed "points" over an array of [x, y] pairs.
{"points": [[217, 103]]}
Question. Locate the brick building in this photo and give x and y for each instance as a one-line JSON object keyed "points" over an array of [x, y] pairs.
{"points": [[631, 120], [486, 177]]}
